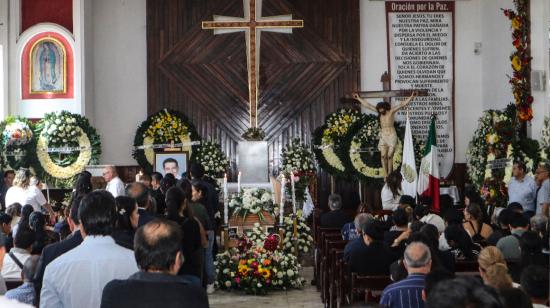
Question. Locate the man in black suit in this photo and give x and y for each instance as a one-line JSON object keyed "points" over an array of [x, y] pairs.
{"points": [[52, 251], [157, 250], [139, 192], [367, 255], [336, 218]]}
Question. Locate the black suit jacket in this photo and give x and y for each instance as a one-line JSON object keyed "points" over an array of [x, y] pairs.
{"points": [[334, 219], [153, 290], [144, 217], [50, 253]]}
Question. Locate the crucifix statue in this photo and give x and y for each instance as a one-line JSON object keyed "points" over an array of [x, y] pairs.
{"points": [[386, 115], [253, 24]]}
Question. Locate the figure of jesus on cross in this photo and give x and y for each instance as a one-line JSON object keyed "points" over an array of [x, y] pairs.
{"points": [[253, 24], [388, 135]]}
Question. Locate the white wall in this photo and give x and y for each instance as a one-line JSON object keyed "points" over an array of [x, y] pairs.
{"points": [[4, 58], [540, 21], [119, 74], [480, 80]]}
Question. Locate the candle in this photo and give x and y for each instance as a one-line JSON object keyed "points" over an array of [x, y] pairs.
{"points": [[293, 193], [360, 192], [138, 176], [239, 183], [282, 205], [225, 201]]}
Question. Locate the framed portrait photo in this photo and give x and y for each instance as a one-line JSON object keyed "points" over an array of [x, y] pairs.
{"points": [[172, 162]]}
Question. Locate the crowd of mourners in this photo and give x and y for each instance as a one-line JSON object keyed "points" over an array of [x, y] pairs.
{"points": [[149, 243], [420, 249]]}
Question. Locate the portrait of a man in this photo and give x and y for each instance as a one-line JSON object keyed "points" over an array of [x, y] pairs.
{"points": [[174, 163]]}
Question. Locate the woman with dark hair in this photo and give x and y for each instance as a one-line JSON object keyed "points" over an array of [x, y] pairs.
{"points": [[474, 225], [126, 221], [471, 195], [167, 182], [199, 210], [43, 236], [26, 212], [179, 211], [462, 246], [391, 192]]}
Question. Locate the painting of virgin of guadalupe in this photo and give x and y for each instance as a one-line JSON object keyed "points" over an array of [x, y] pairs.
{"points": [[48, 67]]}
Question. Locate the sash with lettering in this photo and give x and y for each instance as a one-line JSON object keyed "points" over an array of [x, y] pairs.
{"points": [[428, 178]]}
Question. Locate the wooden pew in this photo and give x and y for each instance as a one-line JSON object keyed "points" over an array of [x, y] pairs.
{"points": [[327, 264], [320, 235], [337, 256], [467, 268], [368, 285]]}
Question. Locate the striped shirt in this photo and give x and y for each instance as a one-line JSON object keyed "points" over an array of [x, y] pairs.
{"points": [[406, 293]]}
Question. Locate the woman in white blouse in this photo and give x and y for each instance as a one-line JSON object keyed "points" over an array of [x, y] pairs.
{"points": [[23, 192], [391, 192]]}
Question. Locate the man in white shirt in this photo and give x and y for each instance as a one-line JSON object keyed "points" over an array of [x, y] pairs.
{"points": [[18, 255], [114, 184], [542, 178], [77, 278], [522, 189]]}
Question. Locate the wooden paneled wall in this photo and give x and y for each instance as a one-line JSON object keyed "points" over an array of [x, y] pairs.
{"points": [[303, 76]]}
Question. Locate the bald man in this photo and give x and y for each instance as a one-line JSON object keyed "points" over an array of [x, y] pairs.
{"points": [[158, 254], [114, 184], [408, 292]]}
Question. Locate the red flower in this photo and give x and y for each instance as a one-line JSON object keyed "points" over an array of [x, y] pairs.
{"points": [[529, 99]]}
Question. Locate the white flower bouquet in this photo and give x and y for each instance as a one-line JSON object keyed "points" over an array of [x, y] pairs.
{"points": [[252, 201], [212, 158]]}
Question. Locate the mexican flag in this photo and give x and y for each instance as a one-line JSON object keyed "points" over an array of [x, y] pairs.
{"points": [[428, 177], [408, 167]]}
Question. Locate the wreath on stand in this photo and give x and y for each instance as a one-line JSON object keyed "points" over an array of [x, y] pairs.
{"points": [[496, 140], [17, 142], [66, 144], [328, 141], [163, 127]]}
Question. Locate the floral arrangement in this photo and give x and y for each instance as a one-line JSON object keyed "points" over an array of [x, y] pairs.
{"points": [[257, 268], [17, 133], [163, 127], [304, 238], [66, 144], [252, 201], [298, 160], [328, 141], [210, 155], [492, 151], [254, 134], [521, 58], [17, 144]]}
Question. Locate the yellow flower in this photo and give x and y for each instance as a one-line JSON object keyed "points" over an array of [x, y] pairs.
{"points": [[516, 23], [492, 193], [516, 63]]}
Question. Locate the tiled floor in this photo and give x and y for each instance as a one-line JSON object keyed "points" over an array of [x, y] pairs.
{"points": [[305, 298]]}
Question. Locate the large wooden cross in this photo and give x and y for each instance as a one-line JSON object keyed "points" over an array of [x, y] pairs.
{"points": [[253, 24]]}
